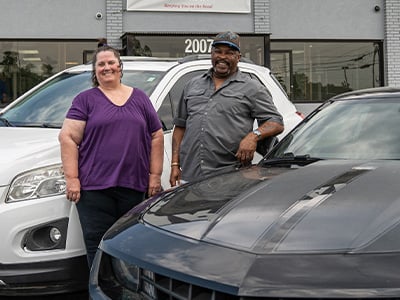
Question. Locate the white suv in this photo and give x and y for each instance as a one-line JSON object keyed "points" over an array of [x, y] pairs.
{"points": [[42, 249]]}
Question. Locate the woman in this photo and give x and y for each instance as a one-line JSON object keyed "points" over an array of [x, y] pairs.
{"points": [[112, 149]]}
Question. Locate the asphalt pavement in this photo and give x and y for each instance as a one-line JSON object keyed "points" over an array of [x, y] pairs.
{"points": [[74, 296]]}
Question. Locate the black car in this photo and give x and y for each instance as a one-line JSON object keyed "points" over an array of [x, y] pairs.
{"points": [[317, 218]]}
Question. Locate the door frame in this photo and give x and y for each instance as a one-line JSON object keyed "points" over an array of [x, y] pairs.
{"points": [[290, 58]]}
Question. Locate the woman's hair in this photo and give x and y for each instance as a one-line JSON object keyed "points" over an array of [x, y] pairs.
{"points": [[95, 82], [101, 42]]}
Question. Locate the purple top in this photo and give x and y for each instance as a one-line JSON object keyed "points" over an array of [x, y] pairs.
{"points": [[116, 144]]}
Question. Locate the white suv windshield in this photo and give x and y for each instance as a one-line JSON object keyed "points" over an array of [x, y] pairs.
{"points": [[48, 105]]}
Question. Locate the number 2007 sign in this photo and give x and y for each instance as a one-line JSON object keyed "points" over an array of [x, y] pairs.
{"points": [[198, 45]]}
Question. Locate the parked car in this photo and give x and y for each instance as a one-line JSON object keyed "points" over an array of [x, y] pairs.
{"points": [[317, 218], [42, 249]]}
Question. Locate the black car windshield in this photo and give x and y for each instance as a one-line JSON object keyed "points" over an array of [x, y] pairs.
{"points": [[48, 105], [350, 129]]}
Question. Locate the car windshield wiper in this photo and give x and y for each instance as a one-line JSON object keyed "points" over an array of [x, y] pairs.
{"points": [[51, 125], [6, 122], [290, 159], [33, 125]]}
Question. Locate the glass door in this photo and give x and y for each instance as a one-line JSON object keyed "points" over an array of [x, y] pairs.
{"points": [[282, 68]]}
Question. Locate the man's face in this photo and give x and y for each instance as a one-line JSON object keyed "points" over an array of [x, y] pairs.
{"points": [[224, 60]]}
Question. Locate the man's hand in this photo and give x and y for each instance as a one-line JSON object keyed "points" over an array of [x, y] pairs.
{"points": [[247, 147], [175, 177]]}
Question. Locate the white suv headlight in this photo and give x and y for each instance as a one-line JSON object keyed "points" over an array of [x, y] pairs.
{"points": [[39, 183]]}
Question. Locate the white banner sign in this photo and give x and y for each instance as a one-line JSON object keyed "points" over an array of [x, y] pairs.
{"points": [[224, 6]]}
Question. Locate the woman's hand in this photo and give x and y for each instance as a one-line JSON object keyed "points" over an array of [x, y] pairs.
{"points": [[154, 184], [73, 191]]}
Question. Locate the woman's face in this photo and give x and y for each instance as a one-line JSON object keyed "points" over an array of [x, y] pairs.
{"points": [[108, 68]]}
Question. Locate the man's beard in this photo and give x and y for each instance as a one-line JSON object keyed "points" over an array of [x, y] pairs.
{"points": [[224, 74]]}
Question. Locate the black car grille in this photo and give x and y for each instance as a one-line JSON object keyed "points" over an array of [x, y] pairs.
{"points": [[153, 286], [168, 288]]}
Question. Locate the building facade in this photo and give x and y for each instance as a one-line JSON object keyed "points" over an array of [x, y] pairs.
{"points": [[315, 48]]}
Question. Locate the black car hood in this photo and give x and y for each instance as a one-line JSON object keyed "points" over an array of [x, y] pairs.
{"points": [[324, 207], [328, 229]]}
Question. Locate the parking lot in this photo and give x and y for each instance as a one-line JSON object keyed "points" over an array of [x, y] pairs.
{"points": [[74, 296]]}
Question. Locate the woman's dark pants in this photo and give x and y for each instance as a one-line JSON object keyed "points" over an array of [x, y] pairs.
{"points": [[100, 209]]}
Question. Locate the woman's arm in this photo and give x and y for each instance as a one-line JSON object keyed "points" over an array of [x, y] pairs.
{"points": [[156, 162], [70, 138]]}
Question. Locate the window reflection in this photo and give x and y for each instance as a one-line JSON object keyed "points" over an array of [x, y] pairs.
{"points": [[308, 71], [25, 64], [316, 71]]}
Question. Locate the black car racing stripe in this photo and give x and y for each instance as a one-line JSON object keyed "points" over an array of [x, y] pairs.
{"points": [[276, 233]]}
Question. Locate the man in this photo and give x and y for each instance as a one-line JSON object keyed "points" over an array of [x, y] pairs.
{"points": [[215, 116]]}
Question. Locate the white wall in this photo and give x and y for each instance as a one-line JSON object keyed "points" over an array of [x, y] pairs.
{"points": [[339, 19], [51, 19], [187, 22], [290, 19]]}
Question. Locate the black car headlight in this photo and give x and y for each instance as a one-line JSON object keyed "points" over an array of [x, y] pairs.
{"points": [[114, 278], [126, 274]]}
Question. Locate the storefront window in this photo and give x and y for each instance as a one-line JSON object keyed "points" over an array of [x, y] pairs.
{"points": [[316, 71], [253, 47], [23, 64]]}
